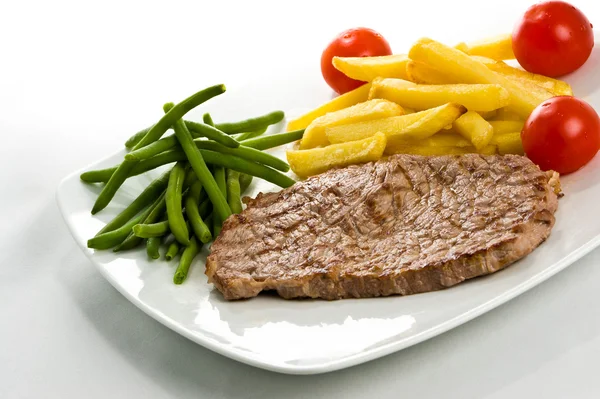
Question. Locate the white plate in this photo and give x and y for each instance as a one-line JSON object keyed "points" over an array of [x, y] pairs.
{"points": [[308, 337]]}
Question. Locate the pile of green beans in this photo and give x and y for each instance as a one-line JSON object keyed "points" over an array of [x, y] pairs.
{"points": [[185, 208]]}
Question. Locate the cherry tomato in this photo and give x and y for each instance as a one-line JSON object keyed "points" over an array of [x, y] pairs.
{"points": [[553, 38], [357, 42], [561, 134]]}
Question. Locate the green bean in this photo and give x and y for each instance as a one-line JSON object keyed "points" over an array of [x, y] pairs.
{"points": [[152, 247], [190, 177], [97, 176], [133, 140], [153, 243], [210, 157], [273, 140], [113, 184], [244, 166], [248, 153], [177, 112], [195, 157], [144, 199], [167, 157], [197, 130], [173, 199], [245, 181], [149, 230], [164, 158], [249, 135], [115, 237], [212, 133], [205, 208], [188, 255], [170, 142], [208, 120], [219, 173], [252, 124], [157, 211], [136, 138], [200, 229], [162, 145], [172, 250], [158, 146], [233, 191], [121, 174], [130, 242]]}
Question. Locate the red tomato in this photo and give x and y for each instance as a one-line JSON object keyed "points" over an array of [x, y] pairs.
{"points": [[357, 42], [553, 38], [562, 134]]}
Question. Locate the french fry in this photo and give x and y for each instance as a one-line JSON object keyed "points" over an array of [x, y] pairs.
{"points": [[346, 100], [474, 128], [475, 97], [501, 127], [555, 86], [423, 149], [317, 160], [413, 126], [432, 122], [508, 143], [373, 92], [427, 150], [497, 47], [537, 85], [314, 135], [488, 150], [419, 72], [366, 69], [461, 67], [361, 130], [441, 139], [487, 115], [505, 114]]}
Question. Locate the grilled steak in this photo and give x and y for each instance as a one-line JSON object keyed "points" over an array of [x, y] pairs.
{"points": [[404, 225]]}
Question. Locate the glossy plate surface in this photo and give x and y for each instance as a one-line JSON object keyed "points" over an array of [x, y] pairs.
{"points": [[308, 337]]}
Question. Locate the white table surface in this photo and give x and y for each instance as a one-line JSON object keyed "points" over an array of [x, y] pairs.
{"points": [[76, 78]]}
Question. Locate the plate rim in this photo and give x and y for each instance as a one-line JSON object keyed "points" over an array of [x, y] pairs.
{"points": [[326, 366]]}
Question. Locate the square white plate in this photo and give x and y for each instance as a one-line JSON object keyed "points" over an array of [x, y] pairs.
{"points": [[306, 336]]}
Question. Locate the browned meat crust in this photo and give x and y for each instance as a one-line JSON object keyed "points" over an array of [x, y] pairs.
{"points": [[404, 225]]}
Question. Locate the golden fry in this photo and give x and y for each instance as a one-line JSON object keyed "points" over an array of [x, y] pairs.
{"points": [[508, 143], [474, 128], [497, 47], [505, 114], [318, 160], [461, 67], [441, 139], [366, 69], [475, 97], [314, 136], [432, 122], [361, 130], [555, 86], [501, 127], [419, 72], [345, 100], [413, 126], [487, 115], [423, 149]]}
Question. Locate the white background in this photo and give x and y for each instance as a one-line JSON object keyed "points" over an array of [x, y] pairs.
{"points": [[77, 78]]}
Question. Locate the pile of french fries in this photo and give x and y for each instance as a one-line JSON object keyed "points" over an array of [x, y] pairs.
{"points": [[435, 100]]}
